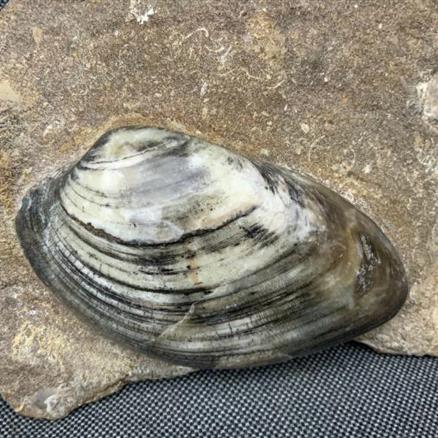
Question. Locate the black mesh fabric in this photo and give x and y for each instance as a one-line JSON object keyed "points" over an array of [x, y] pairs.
{"points": [[348, 391]]}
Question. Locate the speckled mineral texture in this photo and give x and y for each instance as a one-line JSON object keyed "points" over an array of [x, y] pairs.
{"points": [[344, 91]]}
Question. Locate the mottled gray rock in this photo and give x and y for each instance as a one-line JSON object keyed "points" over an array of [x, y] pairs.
{"points": [[329, 88], [428, 99]]}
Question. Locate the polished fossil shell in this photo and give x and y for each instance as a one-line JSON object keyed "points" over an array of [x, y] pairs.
{"points": [[201, 256]]}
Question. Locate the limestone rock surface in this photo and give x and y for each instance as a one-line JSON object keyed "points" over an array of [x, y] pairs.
{"points": [[344, 91]]}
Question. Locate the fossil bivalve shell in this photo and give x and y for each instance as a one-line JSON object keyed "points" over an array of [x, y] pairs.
{"points": [[196, 254]]}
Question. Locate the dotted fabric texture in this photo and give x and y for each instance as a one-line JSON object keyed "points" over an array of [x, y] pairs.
{"points": [[348, 391]]}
